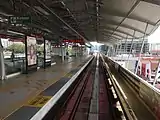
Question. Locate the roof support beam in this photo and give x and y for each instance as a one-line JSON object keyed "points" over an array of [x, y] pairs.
{"points": [[119, 31], [46, 7], [107, 22], [125, 26], [119, 14], [109, 32], [130, 11], [112, 40], [156, 2], [97, 19], [112, 36]]}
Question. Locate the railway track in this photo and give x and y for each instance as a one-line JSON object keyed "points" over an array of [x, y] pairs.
{"points": [[84, 102]]}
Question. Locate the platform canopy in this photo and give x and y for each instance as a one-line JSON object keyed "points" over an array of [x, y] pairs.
{"points": [[104, 21]]}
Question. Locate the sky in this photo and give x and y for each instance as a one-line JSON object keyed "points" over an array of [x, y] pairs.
{"points": [[155, 37]]}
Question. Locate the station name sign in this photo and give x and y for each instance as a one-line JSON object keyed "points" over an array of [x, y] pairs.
{"points": [[73, 41], [19, 19]]}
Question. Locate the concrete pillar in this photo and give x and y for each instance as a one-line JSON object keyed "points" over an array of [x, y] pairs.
{"points": [[130, 52], [76, 50], [2, 65], [62, 53]]}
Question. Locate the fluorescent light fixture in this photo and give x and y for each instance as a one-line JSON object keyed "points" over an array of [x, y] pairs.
{"points": [[87, 44], [3, 20], [65, 27], [25, 28], [5, 14], [13, 32], [63, 3], [41, 10], [47, 30]]}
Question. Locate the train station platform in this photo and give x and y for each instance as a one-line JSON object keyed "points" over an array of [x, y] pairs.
{"points": [[83, 88], [97, 89], [18, 90]]}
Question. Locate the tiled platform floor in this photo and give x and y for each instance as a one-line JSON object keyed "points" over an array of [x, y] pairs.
{"points": [[18, 90]]}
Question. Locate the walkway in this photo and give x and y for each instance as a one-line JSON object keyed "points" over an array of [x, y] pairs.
{"points": [[17, 91]]}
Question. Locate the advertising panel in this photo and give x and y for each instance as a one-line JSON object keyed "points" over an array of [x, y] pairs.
{"points": [[48, 50], [31, 51]]}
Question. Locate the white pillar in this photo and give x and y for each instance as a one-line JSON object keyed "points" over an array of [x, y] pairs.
{"points": [[108, 50], [124, 47], [2, 65], [120, 49], [116, 50], [139, 58], [62, 53], [76, 50], [130, 52]]}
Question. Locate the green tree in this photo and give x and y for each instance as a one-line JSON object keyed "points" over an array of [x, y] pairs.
{"points": [[18, 48]]}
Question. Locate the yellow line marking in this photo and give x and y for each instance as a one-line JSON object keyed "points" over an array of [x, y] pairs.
{"points": [[39, 101], [68, 75]]}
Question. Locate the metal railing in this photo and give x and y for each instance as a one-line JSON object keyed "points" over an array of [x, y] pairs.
{"points": [[148, 94], [129, 114]]}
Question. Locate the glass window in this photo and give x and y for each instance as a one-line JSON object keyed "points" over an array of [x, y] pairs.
{"points": [[14, 55]]}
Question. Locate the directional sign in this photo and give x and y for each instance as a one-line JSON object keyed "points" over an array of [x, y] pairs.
{"points": [[19, 19]]}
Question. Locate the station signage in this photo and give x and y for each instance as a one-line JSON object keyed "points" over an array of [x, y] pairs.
{"points": [[73, 41], [19, 19]]}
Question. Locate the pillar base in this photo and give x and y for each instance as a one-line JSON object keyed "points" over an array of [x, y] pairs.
{"points": [[3, 78]]}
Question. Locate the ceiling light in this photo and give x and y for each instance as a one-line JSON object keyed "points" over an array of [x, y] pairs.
{"points": [[13, 32], [47, 30], [25, 28], [63, 3], [5, 14]]}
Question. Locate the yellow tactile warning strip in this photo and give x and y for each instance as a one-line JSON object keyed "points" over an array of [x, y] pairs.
{"points": [[69, 75], [39, 101], [32, 106]]}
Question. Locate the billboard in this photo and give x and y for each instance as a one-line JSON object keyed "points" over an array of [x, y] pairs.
{"points": [[31, 51], [47, 51]]}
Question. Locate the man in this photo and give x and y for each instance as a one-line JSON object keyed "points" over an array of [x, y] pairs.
{"points": [[12, 56], [67, 54]]}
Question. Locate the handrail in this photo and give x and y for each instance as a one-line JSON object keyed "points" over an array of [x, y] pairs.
{"points": [[130, 115], [145, 90], [139, 78]]}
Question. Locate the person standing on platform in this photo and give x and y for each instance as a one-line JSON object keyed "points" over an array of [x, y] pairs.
{"points": [[67, 54], [12, 57]]}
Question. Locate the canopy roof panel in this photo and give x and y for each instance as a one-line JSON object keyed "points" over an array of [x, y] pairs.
{"points": [[100, 20]]}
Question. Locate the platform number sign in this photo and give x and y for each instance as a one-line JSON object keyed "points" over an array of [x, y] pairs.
{"points": [[19, 19]]}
